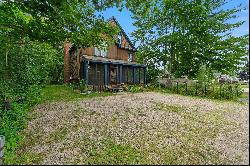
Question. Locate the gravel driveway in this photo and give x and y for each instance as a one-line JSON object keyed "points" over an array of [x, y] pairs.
{"points": [[141, 128]]}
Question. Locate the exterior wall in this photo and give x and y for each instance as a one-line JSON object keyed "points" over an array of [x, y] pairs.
{"points": [[87, 51], [101, 73], [122, 54], [113, 53]]}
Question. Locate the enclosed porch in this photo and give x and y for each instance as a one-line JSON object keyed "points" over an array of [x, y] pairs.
{"points": [[103, 71]]}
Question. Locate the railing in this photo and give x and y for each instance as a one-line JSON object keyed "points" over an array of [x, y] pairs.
{"points": [[219, 90]]}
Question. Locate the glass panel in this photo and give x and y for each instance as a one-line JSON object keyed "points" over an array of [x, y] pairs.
{"points": [[97, 51], [130, 75], [103, 53], [141, 75], [96, 74], [137, 70], [124, 75]]}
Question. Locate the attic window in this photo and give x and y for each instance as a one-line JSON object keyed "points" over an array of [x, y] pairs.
{"points": [[130, 57], [119, 38], [100, 52]]}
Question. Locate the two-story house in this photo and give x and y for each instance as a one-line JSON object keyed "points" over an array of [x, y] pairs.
{"points": [[98, 67]]}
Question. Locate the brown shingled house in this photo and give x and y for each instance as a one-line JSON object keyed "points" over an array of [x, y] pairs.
{"points": [[98, 67]]}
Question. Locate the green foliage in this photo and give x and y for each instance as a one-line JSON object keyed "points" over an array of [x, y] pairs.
{"points": [[64, 93], [11, 123], [183, 35], [27, 65], [82, 85], [116, 154], [54, 21], [203, 75], [31, 33], [135, 88]]}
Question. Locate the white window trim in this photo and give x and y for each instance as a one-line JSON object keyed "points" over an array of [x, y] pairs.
{"points": [[130, 57]]}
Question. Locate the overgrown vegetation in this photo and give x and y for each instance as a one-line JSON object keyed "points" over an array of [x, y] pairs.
{"points": [[180, 36], [213, 91], [32, 35]]}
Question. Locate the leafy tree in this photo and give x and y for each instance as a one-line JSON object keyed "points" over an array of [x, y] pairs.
{"points": [[32, 33], [183, 35], [28, 25], [55, 20]]}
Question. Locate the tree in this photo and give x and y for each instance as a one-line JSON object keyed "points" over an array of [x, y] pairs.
{"points": [[29, 30], [53, 21], [184, 35]]}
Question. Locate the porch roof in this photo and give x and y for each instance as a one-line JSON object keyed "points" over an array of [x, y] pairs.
{"points": [[112, 61]]}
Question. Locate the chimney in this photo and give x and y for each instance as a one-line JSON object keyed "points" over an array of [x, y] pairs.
{"points": [[66, 47]]}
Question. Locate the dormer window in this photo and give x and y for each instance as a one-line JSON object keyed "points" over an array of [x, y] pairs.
{"points": [[130, 57], [120, 38], [100, 52], [104, 53]]}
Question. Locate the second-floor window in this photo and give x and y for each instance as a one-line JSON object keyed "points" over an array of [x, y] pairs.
{"points": [[130, 57], [120, 38], [103, 53], [99, 52]]}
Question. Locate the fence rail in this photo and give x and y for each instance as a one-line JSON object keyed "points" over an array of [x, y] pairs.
{"points": [[227, 91]]}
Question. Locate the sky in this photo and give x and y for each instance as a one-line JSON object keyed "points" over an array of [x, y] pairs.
{"points": [[125, 20]]}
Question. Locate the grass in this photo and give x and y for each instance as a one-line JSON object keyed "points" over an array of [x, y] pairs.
{"points": [[244, 85], [65, 93], [194, 127], [116, 154], [11, 128], [218, 100]]}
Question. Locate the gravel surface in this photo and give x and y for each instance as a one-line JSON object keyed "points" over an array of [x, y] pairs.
{"points": [[153, 128]]}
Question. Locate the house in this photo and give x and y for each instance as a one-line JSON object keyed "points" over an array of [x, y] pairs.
{"points": [[98, 67]]}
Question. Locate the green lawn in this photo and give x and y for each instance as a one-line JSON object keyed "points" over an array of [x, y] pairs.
{"points": [[134, 128], [244, 85], [200, 126], [65, 93]]}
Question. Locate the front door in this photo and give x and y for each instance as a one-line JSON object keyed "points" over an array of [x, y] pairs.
{"points": [[113, 73]]}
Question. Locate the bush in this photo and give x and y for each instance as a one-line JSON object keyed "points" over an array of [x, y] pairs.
{"points": [[135, 88], [12, 122], [82, 85], [27, 68]]}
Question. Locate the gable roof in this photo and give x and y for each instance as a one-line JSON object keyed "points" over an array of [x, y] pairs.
{"points": [[125, 35]]}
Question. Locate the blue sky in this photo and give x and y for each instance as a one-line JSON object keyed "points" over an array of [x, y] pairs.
{"points": [[124, 18]]}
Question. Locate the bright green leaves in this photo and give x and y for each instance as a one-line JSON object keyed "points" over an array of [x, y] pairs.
{"points": [[54, 21], [183, 35]]}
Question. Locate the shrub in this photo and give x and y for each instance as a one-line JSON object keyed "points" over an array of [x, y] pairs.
{"points": [[135, 88], [82, 85], [12, 122]]}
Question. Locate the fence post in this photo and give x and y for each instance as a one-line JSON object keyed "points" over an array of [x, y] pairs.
{"points": [[196, 88], [231, 91], [2, 139], [220, 90], [223, 87], [236, 90], [186, 87], [177, 87], [205, 89]]}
